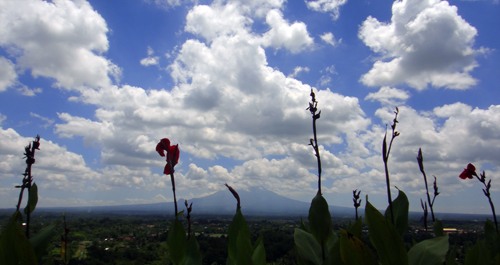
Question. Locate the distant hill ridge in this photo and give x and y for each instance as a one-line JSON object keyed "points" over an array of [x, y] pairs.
{"points": [[256, 201]]}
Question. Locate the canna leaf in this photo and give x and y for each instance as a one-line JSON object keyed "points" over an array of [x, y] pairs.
{"points": [[492, 238], [333, 238], [193, 255], [244, 251], [320, 220], [356, 228], [15, 248], [385, 238], [429, 252], [41, 240], [400, 207], [384, 148], [308, 248], [237, 227], [259, 253], [353, 251], [479, 254], [438, 228], [452, 255], [32, 200], [334, 255], [176, 241], [303, 225]]}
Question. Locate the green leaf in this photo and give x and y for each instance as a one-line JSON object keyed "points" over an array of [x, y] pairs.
{"points": [[413, 240], [32, 200], [331, 241], [176, 241], [41, 240], [238, 226], [384, 148], [15, 248], [491, 238], [356, 228], [259, 253], [438, 228], [496, 259], [308, 248], [193, 255], [303, 225], [452, 256], [334, 256], [400, 207], [353, 251], [385, 238], [479, 254], [50, 261], [244, 251], [429, 252], [320, 220]]}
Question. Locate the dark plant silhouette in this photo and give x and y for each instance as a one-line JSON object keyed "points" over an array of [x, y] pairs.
{"points": [[182, 250], [420, 160], [188, 209], [357, 201], [64, 241], [313, 108], [385, 156], [469, 172], [236, 196], [426, 213], [28, 181], [172, 159]]}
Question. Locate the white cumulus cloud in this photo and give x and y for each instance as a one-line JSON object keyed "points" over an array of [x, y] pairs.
{"points": [[293, 37], [327, 6], [426, 42], [61, 39], [388, 95]]}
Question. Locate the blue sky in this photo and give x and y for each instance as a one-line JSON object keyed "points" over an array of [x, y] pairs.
{"points": [[102, 82]]}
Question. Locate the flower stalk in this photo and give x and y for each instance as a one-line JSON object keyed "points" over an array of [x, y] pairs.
{"points": [[236, 196], [469, 173], [313, 108], [420, 160], [172, 159], [29, 152], [172, 179], [385, 156], [426, 213], [357, 201], [189, 209]]}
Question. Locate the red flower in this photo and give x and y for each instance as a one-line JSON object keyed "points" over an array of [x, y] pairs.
{"points": [[172, 154], [468, 172]]}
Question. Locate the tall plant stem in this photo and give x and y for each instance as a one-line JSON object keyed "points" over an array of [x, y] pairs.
{"points": [[494, 214], [316, 149], [28, 214], [173, 190], [488, 194], [385, 156], [313, 108], [169, 161], [28, 179], [429, 198], [389, 197]]}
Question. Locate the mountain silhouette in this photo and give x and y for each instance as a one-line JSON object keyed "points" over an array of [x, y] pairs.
{"points": [[255, 201]]}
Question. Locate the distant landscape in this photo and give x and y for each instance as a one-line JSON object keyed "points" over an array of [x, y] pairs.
{"points": [[258, 202], [136, 234]]}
